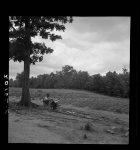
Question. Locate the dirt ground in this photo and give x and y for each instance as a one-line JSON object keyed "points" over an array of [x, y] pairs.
{"points": [[67, 125]]}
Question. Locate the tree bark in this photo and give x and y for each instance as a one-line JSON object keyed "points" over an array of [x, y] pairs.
{"points": [[25, 99]]}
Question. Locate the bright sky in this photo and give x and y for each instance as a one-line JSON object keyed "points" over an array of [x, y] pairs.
{"points": [[93, 44]]}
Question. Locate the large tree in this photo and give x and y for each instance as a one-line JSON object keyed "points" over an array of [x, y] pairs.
{"points": [[21, 47]]}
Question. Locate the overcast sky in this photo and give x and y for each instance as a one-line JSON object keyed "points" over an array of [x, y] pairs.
{"points": [[93, 44]]}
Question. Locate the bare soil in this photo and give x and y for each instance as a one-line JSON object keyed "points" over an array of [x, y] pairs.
{"points": [[69, 124]]}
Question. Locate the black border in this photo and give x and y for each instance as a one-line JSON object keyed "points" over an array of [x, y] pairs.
{"points": [[133, 13]]}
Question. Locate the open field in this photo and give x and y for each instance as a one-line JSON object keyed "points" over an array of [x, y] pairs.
{"points": [[80, 99], [83, 117]]}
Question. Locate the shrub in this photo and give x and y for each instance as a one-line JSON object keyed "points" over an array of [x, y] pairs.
{"points": [[88, 126]]}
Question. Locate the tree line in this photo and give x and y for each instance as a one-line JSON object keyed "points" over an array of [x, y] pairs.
{"points": [[112, 84]]}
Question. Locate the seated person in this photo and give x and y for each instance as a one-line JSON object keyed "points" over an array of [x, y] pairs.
{"points": [[47, 99], [53, 104], [50, 102]]}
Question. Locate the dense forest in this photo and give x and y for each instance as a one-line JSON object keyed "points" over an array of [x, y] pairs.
{"points": [[112, 84]]}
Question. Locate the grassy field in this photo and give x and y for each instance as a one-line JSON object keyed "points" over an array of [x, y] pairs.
{"points": [[80, 99]]}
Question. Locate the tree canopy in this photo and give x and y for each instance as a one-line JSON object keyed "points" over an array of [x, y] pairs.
{"points": [[21, 27]]}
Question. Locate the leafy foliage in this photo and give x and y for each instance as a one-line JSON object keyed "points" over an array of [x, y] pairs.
{"points": [[23, 28], [112, 84]]}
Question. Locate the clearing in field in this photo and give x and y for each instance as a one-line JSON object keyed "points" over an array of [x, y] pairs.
{"points": [[82, 117]]}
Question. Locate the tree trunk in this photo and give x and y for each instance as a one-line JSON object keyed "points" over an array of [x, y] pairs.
{"points": [[25, 99]]}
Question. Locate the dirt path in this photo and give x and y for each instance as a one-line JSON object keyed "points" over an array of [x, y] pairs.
{"points": [[66, 126], [27, 130]]}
